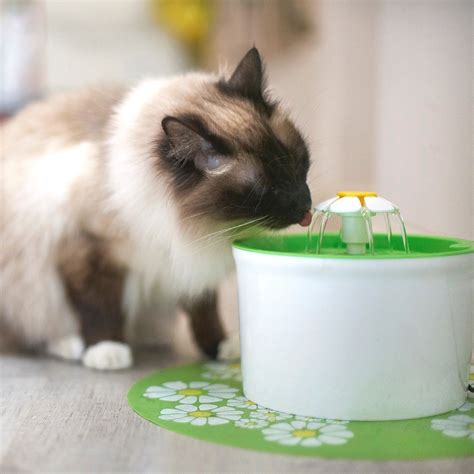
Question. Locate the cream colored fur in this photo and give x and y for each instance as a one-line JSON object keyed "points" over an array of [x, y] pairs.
{"points": [[57, 177]]}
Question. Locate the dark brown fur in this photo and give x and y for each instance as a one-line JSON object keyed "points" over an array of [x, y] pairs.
{"points": [[205, 323], [94, 285]]}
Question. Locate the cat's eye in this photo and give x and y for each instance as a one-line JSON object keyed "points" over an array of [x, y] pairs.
{"points": [[210, 162], [213, 162]]}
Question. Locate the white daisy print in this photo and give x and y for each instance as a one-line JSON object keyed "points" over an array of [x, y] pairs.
{"points": [[307, 418], [251, 423], [310, 434], [468, 406], [457, 426], [269, 415], [201, 415], [242, 402], [189, 393], [223, 371]]}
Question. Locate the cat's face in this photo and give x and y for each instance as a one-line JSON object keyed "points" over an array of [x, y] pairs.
{"points": [[234, 155]]}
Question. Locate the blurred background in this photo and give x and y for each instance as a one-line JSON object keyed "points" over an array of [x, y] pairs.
{"points": [[382, 89]]}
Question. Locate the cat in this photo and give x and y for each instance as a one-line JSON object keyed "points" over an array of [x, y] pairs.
{"points": [[120, 205]]}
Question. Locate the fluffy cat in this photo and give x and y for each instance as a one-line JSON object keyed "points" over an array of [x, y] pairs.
{"points": [[116, 205]]}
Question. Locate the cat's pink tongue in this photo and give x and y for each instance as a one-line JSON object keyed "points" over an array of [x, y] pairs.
{"points": [[307, 218]]}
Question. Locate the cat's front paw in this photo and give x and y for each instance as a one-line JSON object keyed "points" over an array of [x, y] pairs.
{"points": [[68, 348], [229, 348], [108, 355]]}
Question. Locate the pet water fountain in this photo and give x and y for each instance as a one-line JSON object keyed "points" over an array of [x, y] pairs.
{"points": [[356, 325], [356, 210]]}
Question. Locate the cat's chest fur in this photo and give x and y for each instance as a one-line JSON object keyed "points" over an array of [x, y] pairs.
{"points": [[180, 269], [164, 249]]}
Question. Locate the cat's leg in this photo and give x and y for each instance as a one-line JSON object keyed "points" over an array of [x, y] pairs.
{"points": [[229, 348], [94, 286], [67, 347], [34, 312], [205, 323], [108, 355], [150, 315]]}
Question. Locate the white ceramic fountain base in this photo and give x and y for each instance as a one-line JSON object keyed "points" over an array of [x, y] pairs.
{"points": [[355, 339]]}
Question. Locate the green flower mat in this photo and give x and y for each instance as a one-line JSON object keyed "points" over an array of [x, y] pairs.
{"points": [[205, 401]]}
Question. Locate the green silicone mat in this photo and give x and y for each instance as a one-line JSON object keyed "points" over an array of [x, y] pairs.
{"points": [[205, 401]]}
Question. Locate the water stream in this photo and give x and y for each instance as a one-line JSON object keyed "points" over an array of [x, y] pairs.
{"points": [[314, 243]]}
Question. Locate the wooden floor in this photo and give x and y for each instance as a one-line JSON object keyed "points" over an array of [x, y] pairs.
{"points": [[59, 417]]}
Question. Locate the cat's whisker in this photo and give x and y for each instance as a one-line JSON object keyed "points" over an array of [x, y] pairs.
{"points": [[247, 229], [254, 232], [265, 220], [223, 231], [195, 215], [237, 230]]}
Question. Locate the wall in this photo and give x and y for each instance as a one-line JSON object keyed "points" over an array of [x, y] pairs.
{"points": [[104, 40], [383, 90], [423, 127]]}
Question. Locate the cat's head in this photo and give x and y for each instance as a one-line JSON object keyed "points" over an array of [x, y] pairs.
{"points": [[232, 154]]}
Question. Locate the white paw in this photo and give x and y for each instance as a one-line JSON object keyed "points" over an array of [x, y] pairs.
{"points": [[108, 355], [229, 349], [70, 347]]}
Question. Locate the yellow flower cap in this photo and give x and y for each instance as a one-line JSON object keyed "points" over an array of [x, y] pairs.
{"points": [[358, 194]]}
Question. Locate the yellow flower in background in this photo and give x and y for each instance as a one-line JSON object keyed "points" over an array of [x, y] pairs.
{"points": [[187, 20]]}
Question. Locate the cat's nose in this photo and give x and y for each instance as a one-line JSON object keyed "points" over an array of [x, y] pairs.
{"points": [[290, 206], [294, 205], [304, 197], [301, 201]]}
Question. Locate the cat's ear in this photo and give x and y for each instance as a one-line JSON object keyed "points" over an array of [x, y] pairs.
{"points": [[248, 77], [189, 144], [183, 137]]}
